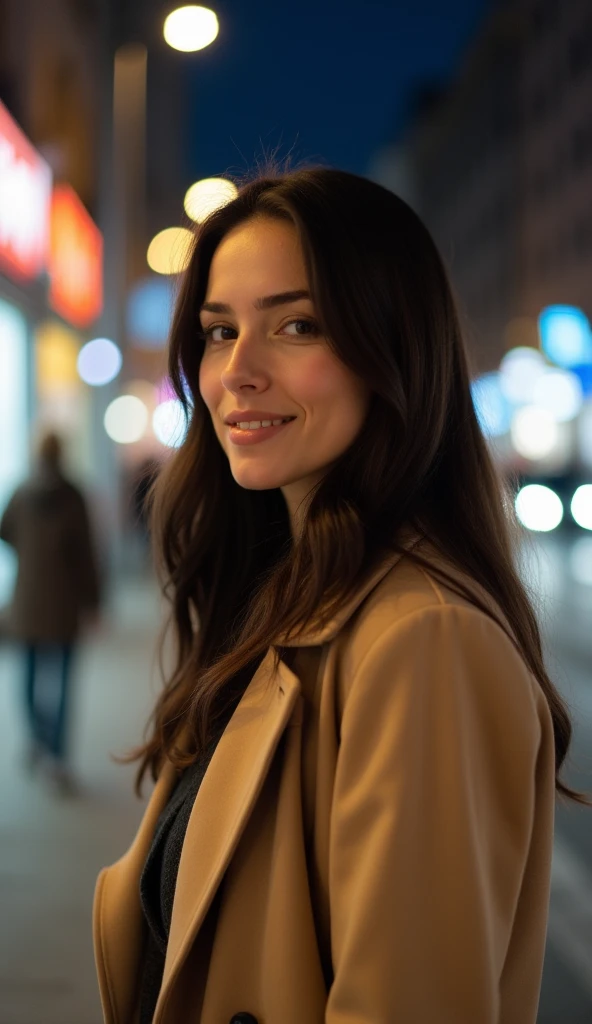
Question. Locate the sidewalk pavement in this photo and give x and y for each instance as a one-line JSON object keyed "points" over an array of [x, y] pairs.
{"points": [[51, 847]]}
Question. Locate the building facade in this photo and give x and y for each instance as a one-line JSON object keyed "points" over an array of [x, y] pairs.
{"points": [[500, 168]]}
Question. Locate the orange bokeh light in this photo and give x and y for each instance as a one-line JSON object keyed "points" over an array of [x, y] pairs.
{"points": [[75, 260]]}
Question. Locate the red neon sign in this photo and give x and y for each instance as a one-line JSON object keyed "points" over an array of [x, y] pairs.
{"points": [[75, 260], [25, 194]]}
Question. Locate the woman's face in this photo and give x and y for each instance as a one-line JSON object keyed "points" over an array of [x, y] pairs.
{"points": [[265, 360]]}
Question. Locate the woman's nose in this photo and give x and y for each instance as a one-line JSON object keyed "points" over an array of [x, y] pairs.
{"points": [[245, 367]]}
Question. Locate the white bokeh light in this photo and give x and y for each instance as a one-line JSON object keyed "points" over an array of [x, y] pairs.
{"points": [[126, 419], [519, 371], [581, 506], [169, 251], [169, 424], [539, 508], [99, 362], [208, 195], [191, 28], [560, 393], [534, 432]]}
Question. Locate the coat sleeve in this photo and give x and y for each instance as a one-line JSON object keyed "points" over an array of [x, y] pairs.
{"points": [[431, 821]]}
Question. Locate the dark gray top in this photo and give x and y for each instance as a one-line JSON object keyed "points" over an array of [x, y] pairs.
{"points": [[159, 876], [157, 883]]}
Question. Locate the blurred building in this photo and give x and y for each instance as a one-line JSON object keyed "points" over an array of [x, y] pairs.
{"points": [[51, 82], [500, 167], [91, 166], [556, 154], [51, 291]]}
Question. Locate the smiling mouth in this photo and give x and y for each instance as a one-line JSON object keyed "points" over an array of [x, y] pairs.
{"points": [[257, 424]]}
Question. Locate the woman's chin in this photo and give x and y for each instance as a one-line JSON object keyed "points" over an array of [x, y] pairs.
{"points": [[253, 479]]}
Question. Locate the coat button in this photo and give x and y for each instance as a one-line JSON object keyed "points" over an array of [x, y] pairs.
{"points": [[243, 1018]]}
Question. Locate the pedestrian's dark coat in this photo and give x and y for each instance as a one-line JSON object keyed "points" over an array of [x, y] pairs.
{"points": [[46, 521], [371, 842]]}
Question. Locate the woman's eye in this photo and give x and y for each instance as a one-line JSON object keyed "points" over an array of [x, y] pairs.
{"points": [[302, 328], [210, 333], [310, 328]]}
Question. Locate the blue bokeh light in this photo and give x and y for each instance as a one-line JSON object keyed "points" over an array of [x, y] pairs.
{"points": [[150, 311], [491, 406], [566, 337], [584, 372]]}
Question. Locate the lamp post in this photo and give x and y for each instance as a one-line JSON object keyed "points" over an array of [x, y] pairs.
{"points": [[189, 28], [125, 175]]}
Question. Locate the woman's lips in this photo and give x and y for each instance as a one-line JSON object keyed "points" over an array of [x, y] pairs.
{"points": [[244, 437]]}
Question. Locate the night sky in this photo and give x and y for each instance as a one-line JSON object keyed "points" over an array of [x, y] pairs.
{"points": [[324, 80]]}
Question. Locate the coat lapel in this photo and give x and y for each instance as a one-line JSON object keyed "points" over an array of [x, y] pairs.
{"points": [[225, 801]]}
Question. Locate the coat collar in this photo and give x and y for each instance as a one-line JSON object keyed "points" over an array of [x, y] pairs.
{"points": [[315, 635]]}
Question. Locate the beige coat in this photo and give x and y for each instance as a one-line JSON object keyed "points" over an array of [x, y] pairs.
{"points": [[371, 843]]}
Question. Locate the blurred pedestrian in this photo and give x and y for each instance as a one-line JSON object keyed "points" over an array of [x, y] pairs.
{"points": [[56, 593], [356, 750]]}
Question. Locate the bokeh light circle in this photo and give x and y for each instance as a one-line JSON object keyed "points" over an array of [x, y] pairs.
{"points": [[539, 508], [560, 392], [191, 28], [169, 251], [126, 419], [581, 506], [491, 406], [208, 195], [519, 370], [169, 424], [565, 335], [534, 432], [99, 362]]}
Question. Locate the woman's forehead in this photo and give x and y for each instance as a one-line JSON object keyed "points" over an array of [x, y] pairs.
{"points": [[258, 258]]}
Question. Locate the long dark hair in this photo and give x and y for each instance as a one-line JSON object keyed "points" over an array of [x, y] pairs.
{"points": [[236, 579]]}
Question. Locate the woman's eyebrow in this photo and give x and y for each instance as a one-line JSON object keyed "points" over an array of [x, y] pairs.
{"points": [[267, 302]]}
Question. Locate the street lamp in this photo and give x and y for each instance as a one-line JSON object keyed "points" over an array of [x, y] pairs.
{"points": [[190, 28], [169, 251], [208, 195]]}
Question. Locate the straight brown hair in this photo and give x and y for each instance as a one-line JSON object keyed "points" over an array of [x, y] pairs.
{"points": [[236, 579]]}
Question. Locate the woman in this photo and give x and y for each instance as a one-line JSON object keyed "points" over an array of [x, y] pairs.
{"points": [[357, 664]]}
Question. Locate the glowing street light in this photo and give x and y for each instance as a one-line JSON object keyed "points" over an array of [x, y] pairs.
{"points": [[191, 28], [208, 195], [534, 432], [126, 419], [169, 423], [170, 250], [519, 370], [539, 508], [99, 362]]}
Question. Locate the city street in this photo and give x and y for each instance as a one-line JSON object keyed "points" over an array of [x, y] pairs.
{"points": [[52, 848]]}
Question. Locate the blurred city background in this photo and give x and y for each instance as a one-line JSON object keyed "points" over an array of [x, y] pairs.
{"points": [[122, 123]]}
